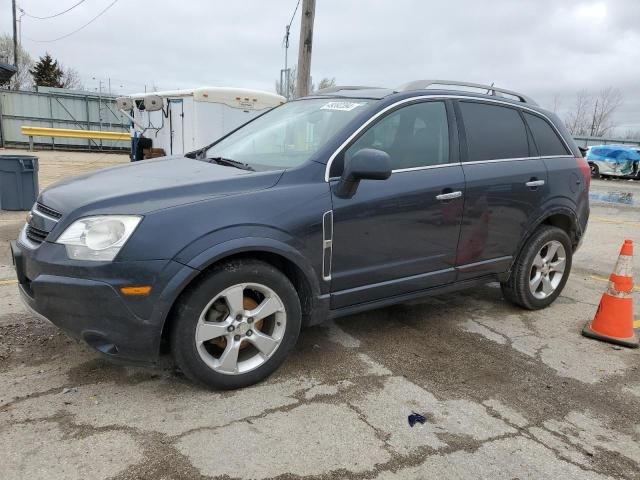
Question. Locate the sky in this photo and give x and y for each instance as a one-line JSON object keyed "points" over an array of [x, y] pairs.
{"points": [[547, 49]]}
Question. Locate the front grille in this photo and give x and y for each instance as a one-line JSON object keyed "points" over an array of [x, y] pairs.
{"points": [[40, 222], [35, 234], [48, 211]]}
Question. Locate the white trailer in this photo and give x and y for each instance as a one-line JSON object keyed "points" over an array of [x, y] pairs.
{"points": [[180, 121]]}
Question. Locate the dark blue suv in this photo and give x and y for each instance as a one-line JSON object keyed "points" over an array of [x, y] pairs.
{"points": [[349, 200]]}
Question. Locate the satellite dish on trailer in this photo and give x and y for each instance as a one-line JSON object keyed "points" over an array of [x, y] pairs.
{"points": [[153, 103], [124, 103]]}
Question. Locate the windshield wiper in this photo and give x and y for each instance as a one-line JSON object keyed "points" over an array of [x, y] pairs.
{"points": [[199, 154], [227, 162]]}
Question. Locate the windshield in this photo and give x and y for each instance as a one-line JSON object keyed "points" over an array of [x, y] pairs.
{"points": [[289, 135]]}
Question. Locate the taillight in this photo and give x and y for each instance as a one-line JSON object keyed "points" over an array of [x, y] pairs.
{"points": [[585, 169]]}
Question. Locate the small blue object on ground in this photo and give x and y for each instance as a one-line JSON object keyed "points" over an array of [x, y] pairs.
{"points": [[416, 418]]}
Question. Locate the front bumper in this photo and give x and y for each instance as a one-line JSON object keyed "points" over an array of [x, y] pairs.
{"points": [[84, 298]]}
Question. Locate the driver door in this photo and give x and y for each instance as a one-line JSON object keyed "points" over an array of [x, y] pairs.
{"points": [[400, 235]]}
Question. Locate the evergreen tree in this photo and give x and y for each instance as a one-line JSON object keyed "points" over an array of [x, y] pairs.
{"points": [[47, 73]]}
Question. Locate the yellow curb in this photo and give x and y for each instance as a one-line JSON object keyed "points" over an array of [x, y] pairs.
{"points": [[8, 282], [615, 222], [636, 324], [603, 279]]}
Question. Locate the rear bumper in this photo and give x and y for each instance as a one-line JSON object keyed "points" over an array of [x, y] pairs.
{"points": [[84, 299]]}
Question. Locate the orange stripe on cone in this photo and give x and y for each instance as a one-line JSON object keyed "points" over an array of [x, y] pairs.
{"points": [[613, 321]]}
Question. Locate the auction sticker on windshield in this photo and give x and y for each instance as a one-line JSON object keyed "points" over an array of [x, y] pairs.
{"points": [[341, 106]]}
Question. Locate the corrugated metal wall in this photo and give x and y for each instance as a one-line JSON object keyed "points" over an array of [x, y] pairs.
{"points": [[82, 111]]}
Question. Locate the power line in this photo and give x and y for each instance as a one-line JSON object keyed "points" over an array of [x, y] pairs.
{"points": [[52, 16], [77, 29], [294, 13], [285, 40]]}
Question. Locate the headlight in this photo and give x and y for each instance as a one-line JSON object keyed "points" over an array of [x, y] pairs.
{"points": [[98, 238]]}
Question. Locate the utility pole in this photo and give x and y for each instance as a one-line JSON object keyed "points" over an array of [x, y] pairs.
{"points": [[15, 43], [303, 83]]}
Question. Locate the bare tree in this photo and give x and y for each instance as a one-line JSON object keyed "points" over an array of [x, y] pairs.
{"points": [[23, 79], [631, 134], [607, 102], [326, 82], [577, 120], [71, 79], [557, 103], [593, 115]]}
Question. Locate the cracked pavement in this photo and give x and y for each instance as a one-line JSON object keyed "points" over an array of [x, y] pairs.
{"points": [[506, 393]]}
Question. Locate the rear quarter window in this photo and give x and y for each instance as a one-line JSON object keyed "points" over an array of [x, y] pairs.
{"points": [[547, 140], [493, 132]]}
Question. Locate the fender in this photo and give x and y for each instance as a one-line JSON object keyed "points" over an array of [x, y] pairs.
{"points": [[252, 244]]}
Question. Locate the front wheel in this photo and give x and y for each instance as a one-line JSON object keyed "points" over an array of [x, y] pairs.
{"points": [[541, 270], [595, 171], [237, 325]]}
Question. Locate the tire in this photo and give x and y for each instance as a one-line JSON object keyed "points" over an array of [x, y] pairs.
{"points": [[595, 171], [528, 286], [218, 306]]}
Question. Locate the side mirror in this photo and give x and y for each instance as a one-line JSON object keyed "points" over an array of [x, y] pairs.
{"points": [[365, 164]]}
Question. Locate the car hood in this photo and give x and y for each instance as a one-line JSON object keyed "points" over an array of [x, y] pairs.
{"points": [[145, 186]]}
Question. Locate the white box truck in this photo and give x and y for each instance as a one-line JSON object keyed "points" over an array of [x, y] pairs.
{"points": [[180, 121]]}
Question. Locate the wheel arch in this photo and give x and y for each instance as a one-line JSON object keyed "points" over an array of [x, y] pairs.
{"points": [[563, 218], [281, 256]]}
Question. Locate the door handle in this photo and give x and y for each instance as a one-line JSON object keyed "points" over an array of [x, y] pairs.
{"points": [[449, 196], [535, 183]]}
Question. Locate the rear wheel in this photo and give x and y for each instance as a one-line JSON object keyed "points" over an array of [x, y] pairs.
{"points": [[541, 270], [237, 325]]}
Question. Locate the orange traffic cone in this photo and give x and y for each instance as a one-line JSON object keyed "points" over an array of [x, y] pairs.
{"points": [[614, 319]]}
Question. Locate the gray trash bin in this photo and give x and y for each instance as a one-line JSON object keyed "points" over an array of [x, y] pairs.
{"points": [[18, 182]]}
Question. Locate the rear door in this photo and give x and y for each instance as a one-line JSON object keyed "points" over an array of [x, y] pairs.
{"points": [[568, 186], [506, 184], [399, 235]]}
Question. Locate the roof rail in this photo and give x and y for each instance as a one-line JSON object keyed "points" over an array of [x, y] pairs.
{"points": [[490, 89], [339, 88]]}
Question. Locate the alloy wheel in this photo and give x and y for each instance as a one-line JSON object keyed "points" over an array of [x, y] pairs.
{"points": [[240, 328], [547, 269]]}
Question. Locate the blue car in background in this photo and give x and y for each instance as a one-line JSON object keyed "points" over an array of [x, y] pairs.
{"points": [[614, 161]]}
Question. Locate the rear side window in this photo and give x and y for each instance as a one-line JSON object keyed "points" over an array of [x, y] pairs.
{"points": [[493, 132], [546, 138]]}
